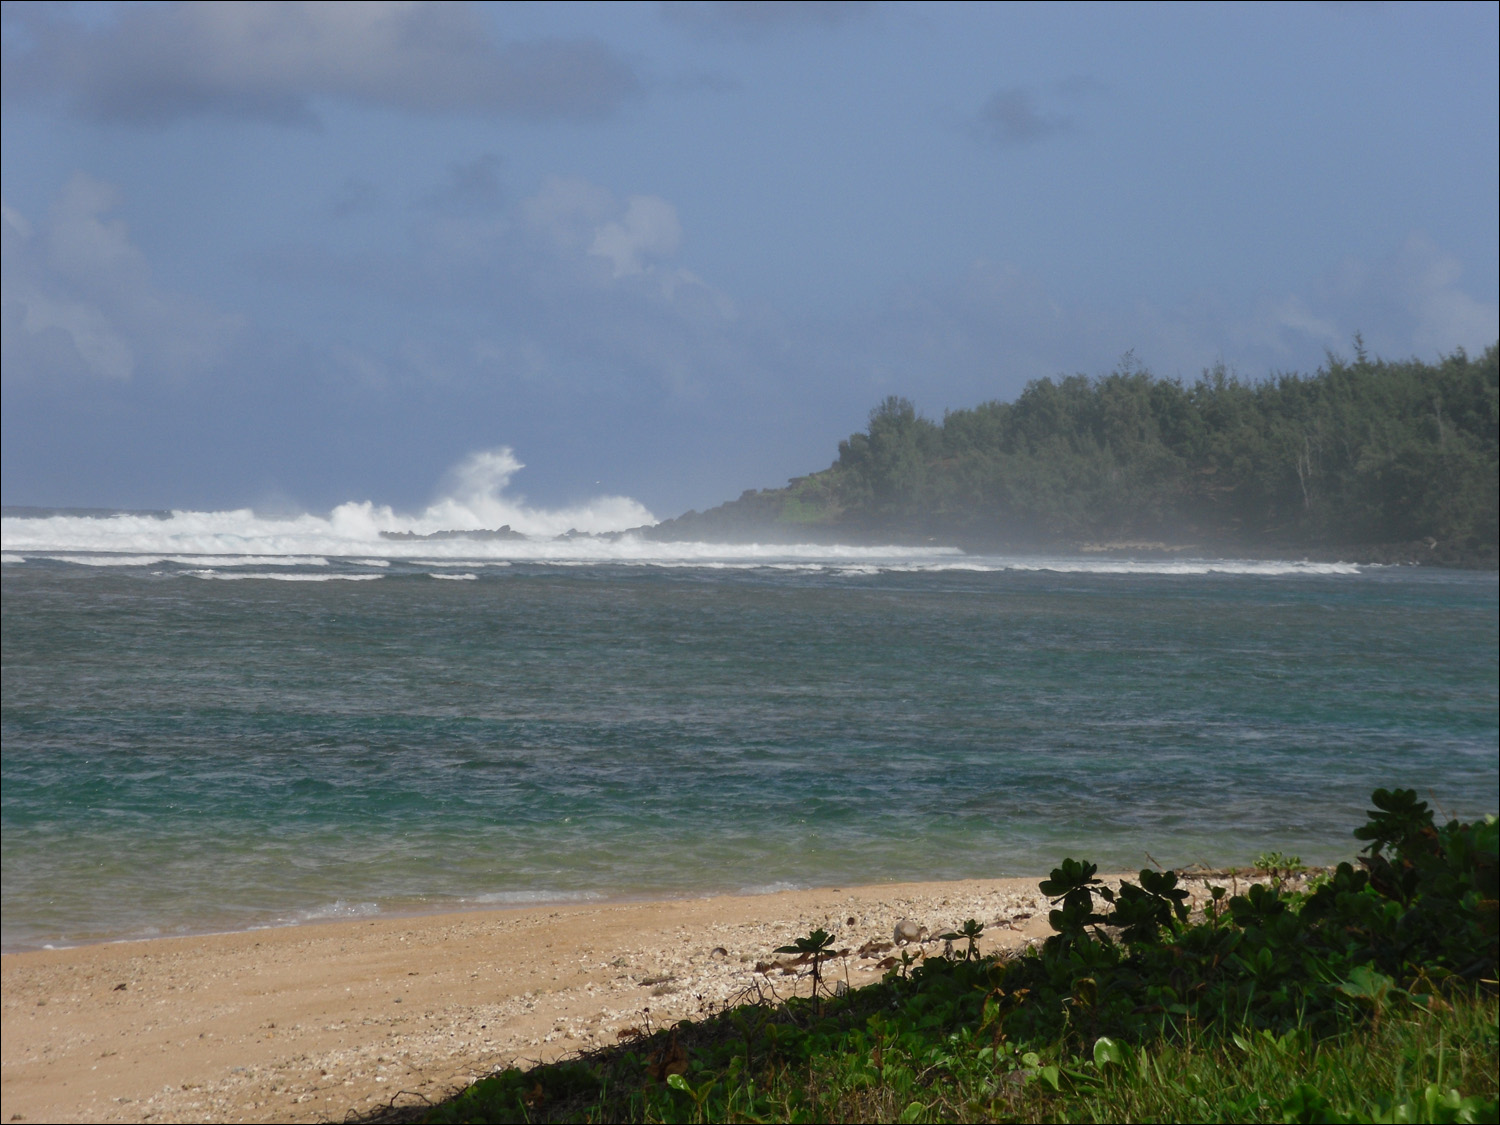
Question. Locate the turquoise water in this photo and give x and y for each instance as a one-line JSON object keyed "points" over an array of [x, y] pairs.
{"points": [[327, 737]]}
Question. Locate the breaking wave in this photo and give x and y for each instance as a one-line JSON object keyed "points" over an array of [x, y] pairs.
{"points": [[476, 501], [479, 523], [273, 577]]}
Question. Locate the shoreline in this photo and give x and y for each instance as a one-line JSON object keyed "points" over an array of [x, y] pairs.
{"points": [[381, 913], [397, 913], [313, 1021]]}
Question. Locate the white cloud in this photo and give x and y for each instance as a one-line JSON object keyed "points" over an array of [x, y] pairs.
{"points": [[602, 281], [984, 333], [1422, 281], [268, 60], [88, 248], [78, 296], [1410, 302], [751, 19], [585, 227], [1285, 323], [568, 211], [649, 228]]}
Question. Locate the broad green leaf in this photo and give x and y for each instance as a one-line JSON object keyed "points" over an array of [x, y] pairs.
{"points": [[1107, 1051]]}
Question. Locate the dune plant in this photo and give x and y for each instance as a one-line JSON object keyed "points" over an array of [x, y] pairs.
{"points": [[817, 947], [969, 932], [1279, 867], [1371, 998]]}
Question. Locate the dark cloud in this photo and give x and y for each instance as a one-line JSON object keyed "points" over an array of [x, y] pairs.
{"points": [[749, 18], [1011, 117], [473, 187], [354, 197], [271, 61]]}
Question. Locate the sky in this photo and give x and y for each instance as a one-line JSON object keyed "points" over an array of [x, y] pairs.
{"points": [[286, 255]]}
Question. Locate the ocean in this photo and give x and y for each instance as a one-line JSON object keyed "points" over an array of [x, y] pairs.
{"points": [[215, 721]]}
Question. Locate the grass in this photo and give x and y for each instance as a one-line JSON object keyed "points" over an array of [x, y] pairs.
{"points": [[889, 1053], [1371, 997], [1417, 1066]]}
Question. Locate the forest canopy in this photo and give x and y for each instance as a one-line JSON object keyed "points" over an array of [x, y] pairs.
{"points": [[1379, 457]]}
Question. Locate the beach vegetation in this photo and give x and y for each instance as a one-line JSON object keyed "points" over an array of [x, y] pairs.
{"points": [[1278, 867], [814, 949], [1369, 998], [969, 933]]}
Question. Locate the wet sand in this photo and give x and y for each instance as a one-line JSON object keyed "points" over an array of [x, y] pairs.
{"points": [[313, 1022]]}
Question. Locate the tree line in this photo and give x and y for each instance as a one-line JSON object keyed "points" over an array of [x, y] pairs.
{"points": [[1361, 453]]}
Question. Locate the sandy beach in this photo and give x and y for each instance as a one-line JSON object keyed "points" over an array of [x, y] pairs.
{"points": [[313, 1022]]}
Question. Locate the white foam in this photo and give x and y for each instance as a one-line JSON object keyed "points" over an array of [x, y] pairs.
{"points": [[339, 909], [271, 577], [103, 560], [9, 560], [1260, 567], [188, 560], [772, 888], [525, 898], [456, 577], [476, 500], [352, 534], [250, 560], [259, 542], [355, 533], [978, 564]]}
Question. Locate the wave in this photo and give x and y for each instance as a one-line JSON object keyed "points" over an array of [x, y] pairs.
{"points": [[352, 534], [779, 887], [337, 910], [476, 501], [477, 523], [528, 898], [1086, 565], [632, 551], [272, 577], [185, 560]]}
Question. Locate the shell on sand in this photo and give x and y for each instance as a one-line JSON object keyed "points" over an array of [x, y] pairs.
{"points": [[908, 931]]}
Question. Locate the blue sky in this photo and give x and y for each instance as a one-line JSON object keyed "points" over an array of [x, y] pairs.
{"points": [[289, 255]]}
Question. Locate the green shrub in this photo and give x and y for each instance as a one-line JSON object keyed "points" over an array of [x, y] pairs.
{"points": [[1370, 998]]}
